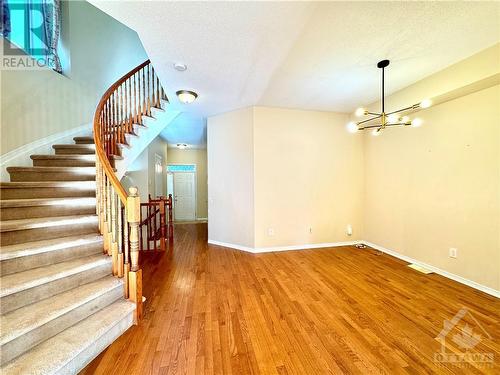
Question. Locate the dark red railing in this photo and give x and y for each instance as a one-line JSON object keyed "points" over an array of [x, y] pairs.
{"points": [[156, 225]]}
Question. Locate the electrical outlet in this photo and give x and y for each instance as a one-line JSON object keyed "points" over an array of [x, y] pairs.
{"points": [[453, 252], [270, 231]]}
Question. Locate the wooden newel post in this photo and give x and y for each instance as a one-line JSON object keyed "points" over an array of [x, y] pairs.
{"points": [[135, 274]]}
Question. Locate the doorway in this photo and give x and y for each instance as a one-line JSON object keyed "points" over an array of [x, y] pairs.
{"points": [[181, 183], [158, 175]]}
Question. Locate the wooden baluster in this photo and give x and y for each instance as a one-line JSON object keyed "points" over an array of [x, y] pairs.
{"points": [[132, 107], [158, 92], [148, 90], [120, 238], [153, 100], [115, 127], [107, 138], [155, 229], [144, 107], [107, 233], [126, 250], [128, 110], [114, 243], [120, 114], [148, 225], [112, 127], [135, 274], [163, 224], [136, 101]]}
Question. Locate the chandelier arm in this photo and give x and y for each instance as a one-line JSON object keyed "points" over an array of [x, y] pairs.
{"points": [[414, 106], [373, 113], [371, 126], [370, 119]]}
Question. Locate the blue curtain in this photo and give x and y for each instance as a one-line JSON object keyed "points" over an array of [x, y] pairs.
{"points": [[5, 26], [52, 28]]}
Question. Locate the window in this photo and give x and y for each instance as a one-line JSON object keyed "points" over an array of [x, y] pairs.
{"points": [[34, 26], [181, 168]]}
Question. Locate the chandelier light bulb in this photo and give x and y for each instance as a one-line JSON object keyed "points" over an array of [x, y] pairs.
{"points": [[360, 112], [426, 103], [405, 119], [392, 118], [416, 122], [376, 132], [352, 127]]}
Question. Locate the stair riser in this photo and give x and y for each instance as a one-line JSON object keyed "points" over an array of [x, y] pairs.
{"points": [[25, 263], [25, 342], [30, 176], [30, 193], [35, 294], [74, 151], [86, 356], [84, 142], [13, 213], [38, 234], [63, 163]]}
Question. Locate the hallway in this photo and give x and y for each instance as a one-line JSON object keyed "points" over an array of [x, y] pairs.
{"points": [[213, 310]]}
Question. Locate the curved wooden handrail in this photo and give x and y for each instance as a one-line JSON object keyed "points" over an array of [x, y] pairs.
{"points": [[120, 109], [100, 152]]}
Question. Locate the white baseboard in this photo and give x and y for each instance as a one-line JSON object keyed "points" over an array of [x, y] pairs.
{"points": [[256, 250], [20, 157], [459, 279], [439, 271]]}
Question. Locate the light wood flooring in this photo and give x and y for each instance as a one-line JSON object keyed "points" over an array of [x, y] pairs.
{"points": [[214, 310]]}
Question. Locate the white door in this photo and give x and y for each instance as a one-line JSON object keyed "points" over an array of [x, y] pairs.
{"points": [[184, 196], [158, 176]]}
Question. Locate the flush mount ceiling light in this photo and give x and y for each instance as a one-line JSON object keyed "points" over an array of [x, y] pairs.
{"points": [[379, 121], [186, 96], [180, 67], [182, 146]]}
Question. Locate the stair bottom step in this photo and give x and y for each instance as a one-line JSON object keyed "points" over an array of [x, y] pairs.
{"points": [[71, 350]]}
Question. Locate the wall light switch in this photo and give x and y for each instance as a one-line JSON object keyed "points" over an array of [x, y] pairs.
{"points": [[270, 232], [453, 252]]}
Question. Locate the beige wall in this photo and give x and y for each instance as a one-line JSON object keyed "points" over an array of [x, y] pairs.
{"points": [[308, 178], [300, 171], [438, 186], [198, 157], [36, 104], [230, 178]]}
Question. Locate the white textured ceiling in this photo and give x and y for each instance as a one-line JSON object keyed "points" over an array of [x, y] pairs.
{"points": [[309, 55]]}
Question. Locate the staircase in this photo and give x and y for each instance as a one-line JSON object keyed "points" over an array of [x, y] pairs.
{"points": [[60, 304]]}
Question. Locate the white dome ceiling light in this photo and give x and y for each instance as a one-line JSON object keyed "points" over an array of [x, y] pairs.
{"points": [[180, 67], [186, 96]]}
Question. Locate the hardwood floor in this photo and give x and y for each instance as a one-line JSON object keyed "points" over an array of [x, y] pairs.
{"points": [[213, 310]]}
